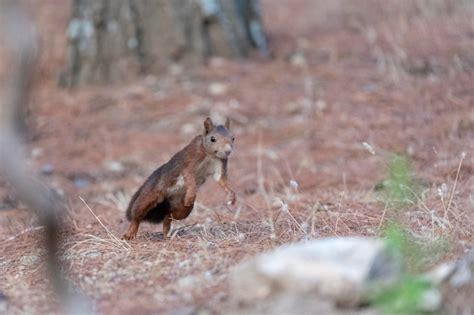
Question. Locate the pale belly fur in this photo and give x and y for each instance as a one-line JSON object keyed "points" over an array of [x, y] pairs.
{"points": [[210, 166]]}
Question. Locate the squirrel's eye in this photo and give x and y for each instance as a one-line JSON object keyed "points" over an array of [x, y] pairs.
{"points": [[213, 139], [233, 139]]}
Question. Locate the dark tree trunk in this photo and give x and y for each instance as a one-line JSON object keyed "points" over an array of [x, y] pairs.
{"points": [[109, 40]]}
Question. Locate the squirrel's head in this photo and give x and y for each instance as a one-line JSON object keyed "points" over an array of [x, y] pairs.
{"points": [[218, 140]]}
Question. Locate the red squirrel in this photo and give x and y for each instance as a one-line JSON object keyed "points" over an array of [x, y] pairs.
{"points": [[170, 191]]}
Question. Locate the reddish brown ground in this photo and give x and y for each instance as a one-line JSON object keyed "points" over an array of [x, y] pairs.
{"points": [[396, 76]]}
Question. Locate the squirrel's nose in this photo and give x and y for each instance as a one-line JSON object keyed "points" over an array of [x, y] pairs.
{"points": [[228, 152]]}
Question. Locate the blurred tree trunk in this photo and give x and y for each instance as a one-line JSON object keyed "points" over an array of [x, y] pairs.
{"points": [[109, 40]]}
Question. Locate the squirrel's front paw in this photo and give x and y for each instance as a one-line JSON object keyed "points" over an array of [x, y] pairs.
{"points": [[231, 198]]}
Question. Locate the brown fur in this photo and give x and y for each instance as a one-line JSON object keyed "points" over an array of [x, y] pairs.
{"points": [[170, 191]]}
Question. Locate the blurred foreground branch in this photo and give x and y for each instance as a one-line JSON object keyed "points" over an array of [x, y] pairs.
{"points": [[20, 42]]}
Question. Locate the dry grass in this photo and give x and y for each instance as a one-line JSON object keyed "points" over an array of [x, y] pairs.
{"points": [[395, 75]]}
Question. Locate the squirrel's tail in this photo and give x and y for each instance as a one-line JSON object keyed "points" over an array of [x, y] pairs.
{"points": [[128, 214]]}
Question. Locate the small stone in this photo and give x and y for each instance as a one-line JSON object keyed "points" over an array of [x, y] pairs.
{"points": [[294, 184], [188, 129], [114, 166], [430, 301], [187, 282], [59, 191], [217, 88], [321, 105], [208, 275], [37, 152], [81, 183], [298, 60], [47, 169], [88, 280]]}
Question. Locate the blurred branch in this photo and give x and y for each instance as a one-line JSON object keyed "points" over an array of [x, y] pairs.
{"points": [[20, 41]]}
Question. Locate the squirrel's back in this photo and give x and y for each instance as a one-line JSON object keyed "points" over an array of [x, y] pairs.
{"points": [[163, 175]]}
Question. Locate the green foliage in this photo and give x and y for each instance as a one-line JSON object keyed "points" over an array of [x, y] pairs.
{"points": [[400, 188], [404, 296], [396, 239], [398, 243]]}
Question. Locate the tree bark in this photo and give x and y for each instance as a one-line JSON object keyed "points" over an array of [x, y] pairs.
{"points": [[111, 40]]}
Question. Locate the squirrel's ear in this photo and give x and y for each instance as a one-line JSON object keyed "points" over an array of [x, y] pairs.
{"points": [[227, 123], [208, 125]]}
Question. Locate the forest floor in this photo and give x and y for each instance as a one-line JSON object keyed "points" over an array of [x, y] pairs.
{"points": [[395, 76]]}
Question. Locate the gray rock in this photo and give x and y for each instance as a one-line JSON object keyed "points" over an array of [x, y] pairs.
{"points": [[283, 304], [338, 270], [298, 59], [187, 310], [37, 152], [440, 273], [114, 166], [464, 273], [453, 287], [430, 301], [217, 88], [3, 303], [3, 306], [81, 182], [47, 169], [453, 273]]}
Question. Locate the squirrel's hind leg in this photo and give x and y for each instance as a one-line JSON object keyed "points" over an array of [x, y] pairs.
{"points": [[178, 212], [132, 230], [167, 226], [143, 203]]}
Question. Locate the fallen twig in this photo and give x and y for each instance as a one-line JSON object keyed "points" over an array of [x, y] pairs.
{"points": [[25, 231]]}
